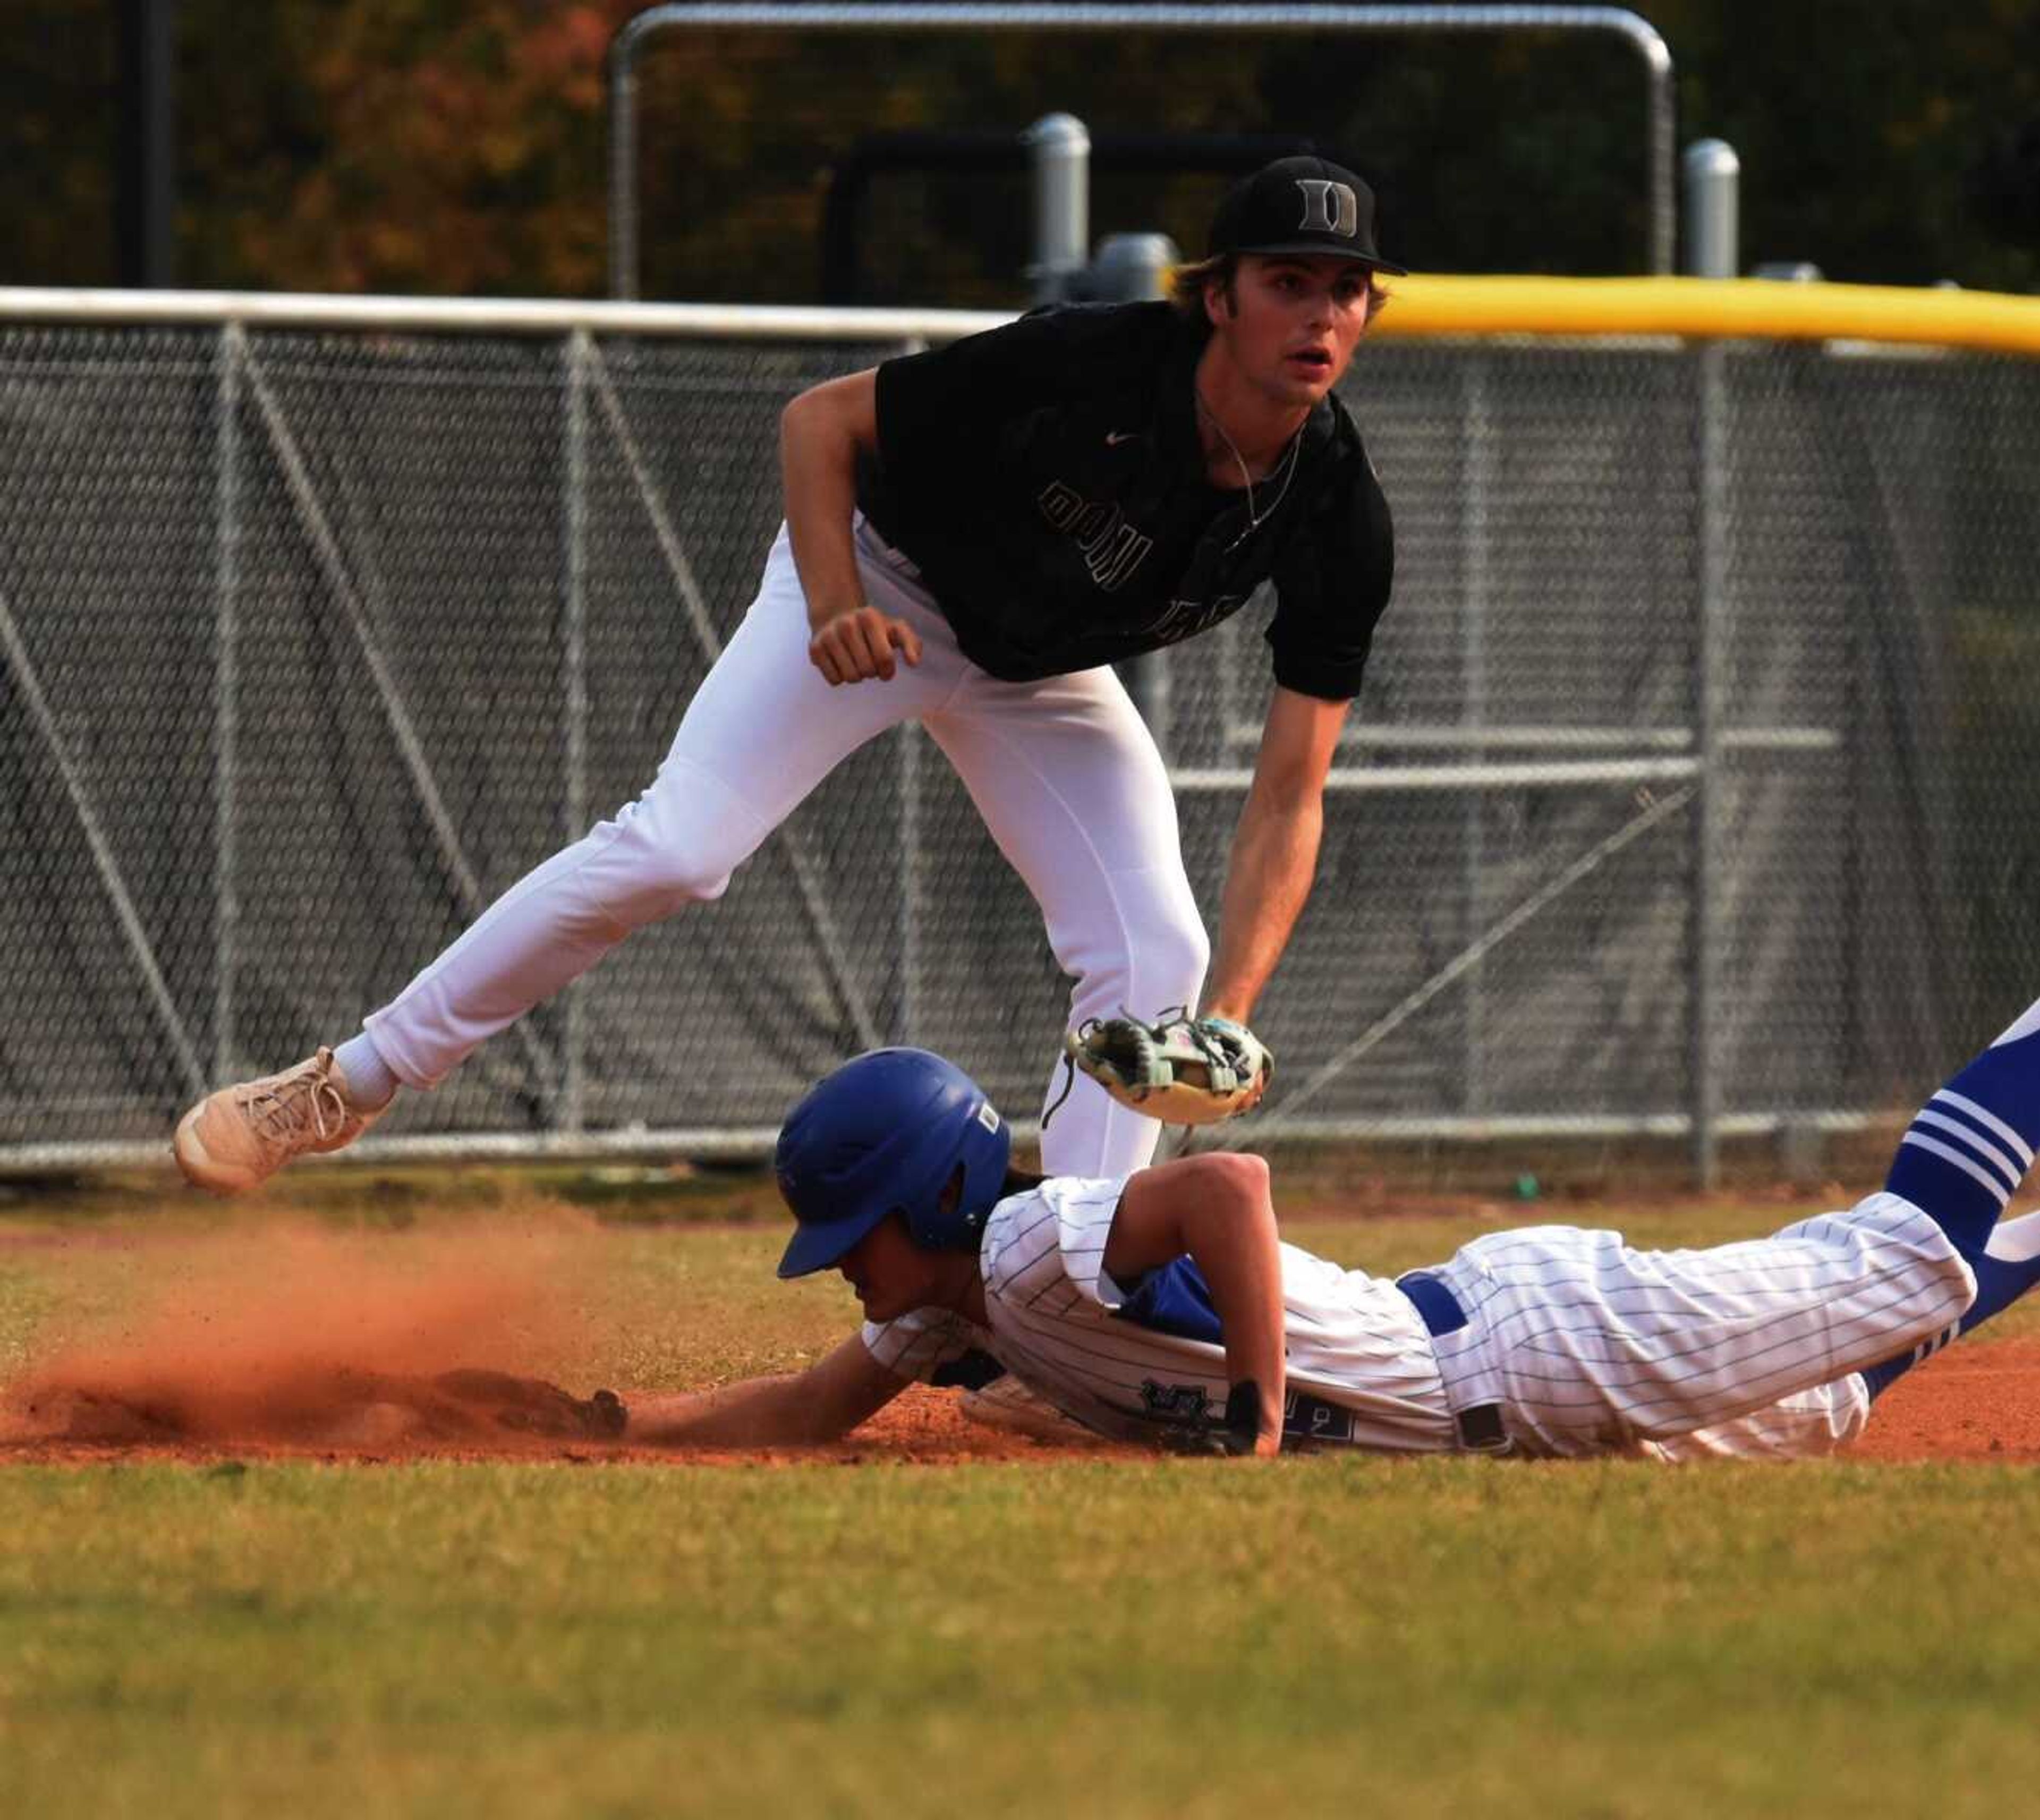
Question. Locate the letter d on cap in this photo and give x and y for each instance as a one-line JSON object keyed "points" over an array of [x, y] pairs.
{"points": [[1329, 207]]}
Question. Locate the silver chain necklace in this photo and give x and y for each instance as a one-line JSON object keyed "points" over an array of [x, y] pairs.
{"points": [[1287, 467]]}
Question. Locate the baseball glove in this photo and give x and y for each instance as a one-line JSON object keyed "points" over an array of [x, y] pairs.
{"points": [[1180, 1070]]}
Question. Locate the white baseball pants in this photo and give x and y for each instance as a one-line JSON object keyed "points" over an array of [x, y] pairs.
{"points": [[1064, 771], [1591, 1346]]}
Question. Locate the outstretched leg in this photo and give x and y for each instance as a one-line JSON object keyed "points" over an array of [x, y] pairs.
{"points": [[762, 730], [1814, 1423], [1959, 1161]]}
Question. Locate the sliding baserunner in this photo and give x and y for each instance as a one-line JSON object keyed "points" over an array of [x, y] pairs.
{"points": [[1163, 1306]]}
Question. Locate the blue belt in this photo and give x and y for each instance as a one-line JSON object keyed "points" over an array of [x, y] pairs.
{"points": [[1482, 1430]]}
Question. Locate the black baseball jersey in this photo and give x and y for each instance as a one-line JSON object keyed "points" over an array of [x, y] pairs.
{"points": [[1047, 479]]}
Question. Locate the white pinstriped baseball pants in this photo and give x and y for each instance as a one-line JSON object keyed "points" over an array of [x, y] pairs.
{"points": [[1064, 772], [1590, 1345]]}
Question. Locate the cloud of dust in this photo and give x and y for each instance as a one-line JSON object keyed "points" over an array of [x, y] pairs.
{"points": [[277, 1335]]}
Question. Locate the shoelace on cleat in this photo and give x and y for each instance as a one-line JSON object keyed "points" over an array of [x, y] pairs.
{"points": [[294, 1102]]}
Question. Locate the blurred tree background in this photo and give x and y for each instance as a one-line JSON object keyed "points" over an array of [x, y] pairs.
{"points": [[458, 146]]}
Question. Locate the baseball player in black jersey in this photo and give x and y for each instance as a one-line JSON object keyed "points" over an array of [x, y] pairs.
{"points": [[973, 536]]}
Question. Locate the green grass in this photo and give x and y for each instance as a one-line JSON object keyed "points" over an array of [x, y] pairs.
{"points": [[1095, 1638], [1323, 1635]]}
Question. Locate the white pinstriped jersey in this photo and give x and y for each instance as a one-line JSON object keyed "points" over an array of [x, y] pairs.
{"points": [[1355, 1341], [1586, 1345]]}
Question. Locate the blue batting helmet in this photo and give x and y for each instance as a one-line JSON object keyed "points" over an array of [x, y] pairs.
{"points": [[883, 1134]]}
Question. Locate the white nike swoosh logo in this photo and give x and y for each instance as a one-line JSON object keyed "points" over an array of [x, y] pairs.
{"points": [[1114, 438]]}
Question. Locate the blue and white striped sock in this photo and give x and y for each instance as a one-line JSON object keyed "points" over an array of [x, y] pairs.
{"points": [[1959, 1161], [1965, 1155]]}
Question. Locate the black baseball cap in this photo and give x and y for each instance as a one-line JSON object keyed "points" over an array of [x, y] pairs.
{"points": [[1300, 205]]}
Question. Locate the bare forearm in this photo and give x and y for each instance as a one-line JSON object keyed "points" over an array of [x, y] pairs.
{"points": [[822, 435], [1274, 860], [759, 1412], [818, 471], [824, 1402], [1236, 1248], [1218, 1207]]}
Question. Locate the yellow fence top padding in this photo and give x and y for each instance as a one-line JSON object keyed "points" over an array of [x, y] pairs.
{"points": [[1760, 309]]}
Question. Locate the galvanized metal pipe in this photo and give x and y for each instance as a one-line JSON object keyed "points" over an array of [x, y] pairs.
{"points": [[1712, 177], [1058, 147], [569, 1109], [1712, 171], [226, 702]]}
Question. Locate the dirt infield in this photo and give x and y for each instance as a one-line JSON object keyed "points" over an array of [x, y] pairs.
{"points": [[1980, 1402], [1985, 1406], [297, 1348], [923, 1428], [1982, 1406]]}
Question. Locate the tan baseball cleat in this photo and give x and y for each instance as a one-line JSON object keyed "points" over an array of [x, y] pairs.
{"points": [[243, 1135]]}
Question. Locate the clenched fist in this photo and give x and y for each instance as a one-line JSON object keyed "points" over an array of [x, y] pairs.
{"points": [[857, 646]]}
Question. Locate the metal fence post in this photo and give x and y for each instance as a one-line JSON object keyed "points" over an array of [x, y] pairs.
{"points": [[569, 1111], [226, 705], [1711, 172], [1476, 503], [1059, 146]]}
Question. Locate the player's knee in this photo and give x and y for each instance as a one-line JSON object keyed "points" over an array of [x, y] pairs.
{"points": [[1163, 965], [686, 872], [1143, 951], [1233, 1176], [1169, 957], [654, 868], [663, 893]]}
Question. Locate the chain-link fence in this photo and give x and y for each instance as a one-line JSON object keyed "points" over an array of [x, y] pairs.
{"points": [[1689, 779]]}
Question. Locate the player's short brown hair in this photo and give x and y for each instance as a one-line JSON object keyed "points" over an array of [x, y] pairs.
{"points": [[1188, 283]]}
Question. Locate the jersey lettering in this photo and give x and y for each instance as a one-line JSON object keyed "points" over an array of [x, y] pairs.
{"points": [[1185, 619], [1173, 1402], [1329, 207], [1311, 1418], [1113, 549]]}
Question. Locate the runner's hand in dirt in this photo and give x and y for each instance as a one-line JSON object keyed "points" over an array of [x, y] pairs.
{"points": [[479, 1400], [468, 1406]]}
